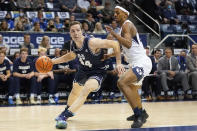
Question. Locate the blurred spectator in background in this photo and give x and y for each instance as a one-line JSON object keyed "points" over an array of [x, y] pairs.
{"points": [[57, 52], [99, 29], [65, 26], [45, 43], [16, 55], [6, 81], [27, 43], [13, 5], [191, 62], [4, 5], [91, 22], [19, 26], [169, 14], [23, 19], [58, 23], [24, 4], [182, 7], [9, 21], [106, 14], [38, 4], [72, 18], [86, 27], [24, 76], [182, 60], [50, 25], [36, 27], [83, 5], [147, 51], [115, 27], [93, 11], [40, 20], [69, 6], [192, 6], [46, 79], [4, 26]]}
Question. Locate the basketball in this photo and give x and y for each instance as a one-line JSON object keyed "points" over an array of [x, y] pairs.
{"points": [[44, 64]]}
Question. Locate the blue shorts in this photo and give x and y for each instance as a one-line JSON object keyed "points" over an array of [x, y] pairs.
{"points": [[139, 72], [82, 76]]}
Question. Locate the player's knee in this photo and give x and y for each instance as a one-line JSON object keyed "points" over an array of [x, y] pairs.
{"points": [[120, 83]]}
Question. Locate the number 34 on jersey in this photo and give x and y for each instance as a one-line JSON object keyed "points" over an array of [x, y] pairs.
{"points": [[83, 61]]}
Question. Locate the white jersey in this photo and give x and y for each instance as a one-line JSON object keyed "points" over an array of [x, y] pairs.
{"points": [[136, 53], [137, 58]]}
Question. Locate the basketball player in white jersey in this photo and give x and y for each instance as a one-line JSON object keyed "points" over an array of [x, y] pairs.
{"points": [[140, 64]]}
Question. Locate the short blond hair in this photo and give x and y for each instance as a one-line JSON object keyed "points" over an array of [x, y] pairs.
{"points": [[40, 49]]}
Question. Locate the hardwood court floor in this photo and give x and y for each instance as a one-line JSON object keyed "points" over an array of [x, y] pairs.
{"points": [[97, 116]]}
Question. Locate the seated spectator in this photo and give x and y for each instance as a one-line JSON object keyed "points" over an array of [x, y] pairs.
{"points": [[85, 28], [115, 27], [191, 63], [182, 7], [24, 20], [83, 5], [93, 11], [36, 27], [169, 14], [4, 26], [64, 72], [19, 26], [45, 43], [2, 44], [24, 4], [50, 26], [192, 6], [57, 52], [58, 24], [24, 76], [153, 80], [106, 14], [168, 69], [99, 29], [13, 6], [65, 27], [72, 18], [6, 81], [69, 6], [40, 20], [44, 79], [27, 43], [9, 21], [182, 60], [38, 4], [91, 21], [16, 56]]}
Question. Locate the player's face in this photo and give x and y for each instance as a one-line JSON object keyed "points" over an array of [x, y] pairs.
{"points": [[76, 32], [118, 15]]}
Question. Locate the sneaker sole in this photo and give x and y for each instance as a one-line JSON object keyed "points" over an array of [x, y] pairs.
{"points": [[61, 124]]}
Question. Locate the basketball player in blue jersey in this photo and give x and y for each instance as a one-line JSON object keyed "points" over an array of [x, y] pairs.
{"points": [[140, 64], [91, 71]]}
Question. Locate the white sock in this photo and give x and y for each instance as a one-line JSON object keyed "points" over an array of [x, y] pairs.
{"points": [[17, 96], [50, 96], [10, 97], [31, 95]]}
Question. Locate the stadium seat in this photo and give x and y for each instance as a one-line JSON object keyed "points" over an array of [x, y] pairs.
{"points": [[79, 16], [14, 14], [193, 19], [3, 14], [183, 18], [31, 14], [177, 28], [166, 28], [63, 15], [48, 15], [193, 28]]}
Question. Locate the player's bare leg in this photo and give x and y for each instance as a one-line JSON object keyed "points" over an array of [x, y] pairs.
{"points": [[130, 91]]}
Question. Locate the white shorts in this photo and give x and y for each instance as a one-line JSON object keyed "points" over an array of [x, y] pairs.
{"points": [[141, 70]]}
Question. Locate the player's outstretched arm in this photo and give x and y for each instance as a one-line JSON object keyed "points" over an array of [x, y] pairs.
{"points": [[65, 58]]}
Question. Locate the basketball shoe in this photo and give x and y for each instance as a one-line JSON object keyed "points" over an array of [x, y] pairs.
{"points": [[132, 118], [64, 115], [138, 121]]}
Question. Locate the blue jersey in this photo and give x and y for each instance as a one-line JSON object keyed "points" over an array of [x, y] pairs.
{"points": [[4, 67], [23, 67], [88, 61]]}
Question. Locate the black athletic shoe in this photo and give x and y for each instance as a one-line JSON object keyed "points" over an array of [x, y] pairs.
{"points": [[131, 118], [138, 122]]}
